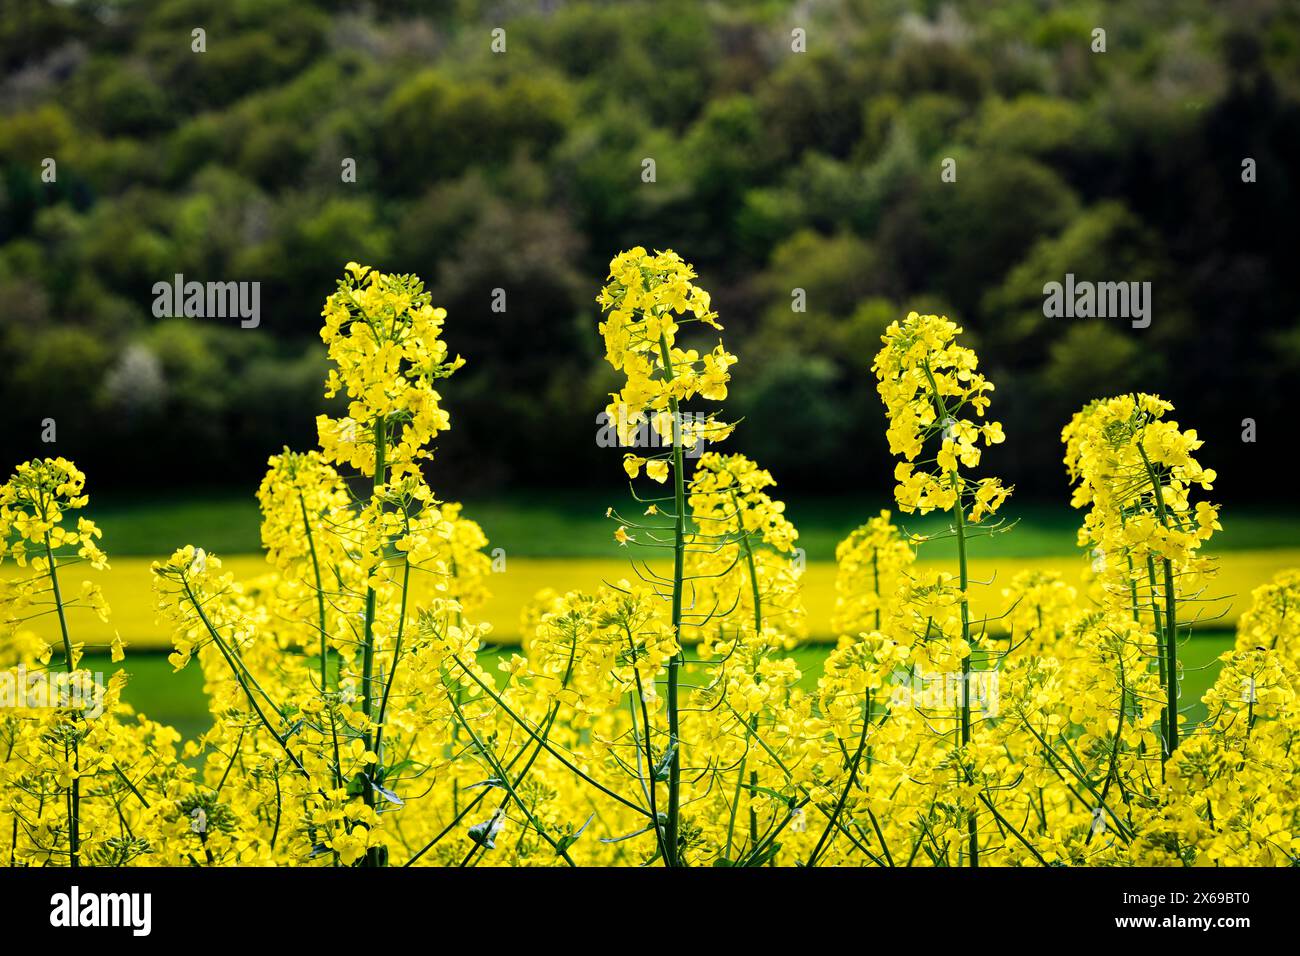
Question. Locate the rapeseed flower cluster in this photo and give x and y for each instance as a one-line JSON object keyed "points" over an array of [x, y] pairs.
{"points": [[83, 779], [384, 338], [1134, 470], [933, 392], [646, 301], [361, 717]]}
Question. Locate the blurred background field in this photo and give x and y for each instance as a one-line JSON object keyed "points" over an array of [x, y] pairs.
{"points": [[564, 542], [558, 524], [128, 588]]}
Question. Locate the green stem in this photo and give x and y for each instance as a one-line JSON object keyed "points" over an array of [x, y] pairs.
{"points": [[848, 784], [504, 777], [675, 663], [546, 730], [469, 807], [875, 573], [320, 596], [374, 855], [758, 631], [1165, 749], [808, 797], [959, 523], [240, 674], [543, 742], [74, 794], [1171, 614], [649, 752], [397, 651], [1171, 653]]}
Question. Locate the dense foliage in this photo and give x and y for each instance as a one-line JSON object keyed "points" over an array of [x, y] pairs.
{"points": [[520, 170]]}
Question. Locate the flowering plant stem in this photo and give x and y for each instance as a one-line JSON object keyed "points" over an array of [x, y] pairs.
{"points": [[74, 791], [959, 521], [461, 813], [649, 751], [849, 784], [959, 530], [1170, 660], [542, 741], [675, 663], [242, 676], [753, 722], [502, 775], [374, 855], [806, 801], [320, 595]]}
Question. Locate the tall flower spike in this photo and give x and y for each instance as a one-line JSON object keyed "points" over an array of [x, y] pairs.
{"points": [[729, 496], [1135, 470], [646, 300], [384, 338], [742, 556], [928, 384], [35, 504]]}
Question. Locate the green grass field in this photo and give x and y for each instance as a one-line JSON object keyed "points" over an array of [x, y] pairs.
{"points": [[573, 525]]}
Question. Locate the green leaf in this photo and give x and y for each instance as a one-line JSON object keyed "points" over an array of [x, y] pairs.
{"points": [[664, 766], [388, 795], [568, 840], [764, 857]]}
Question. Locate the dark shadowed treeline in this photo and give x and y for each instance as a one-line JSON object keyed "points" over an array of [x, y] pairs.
{"points": [[522, 171]]}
